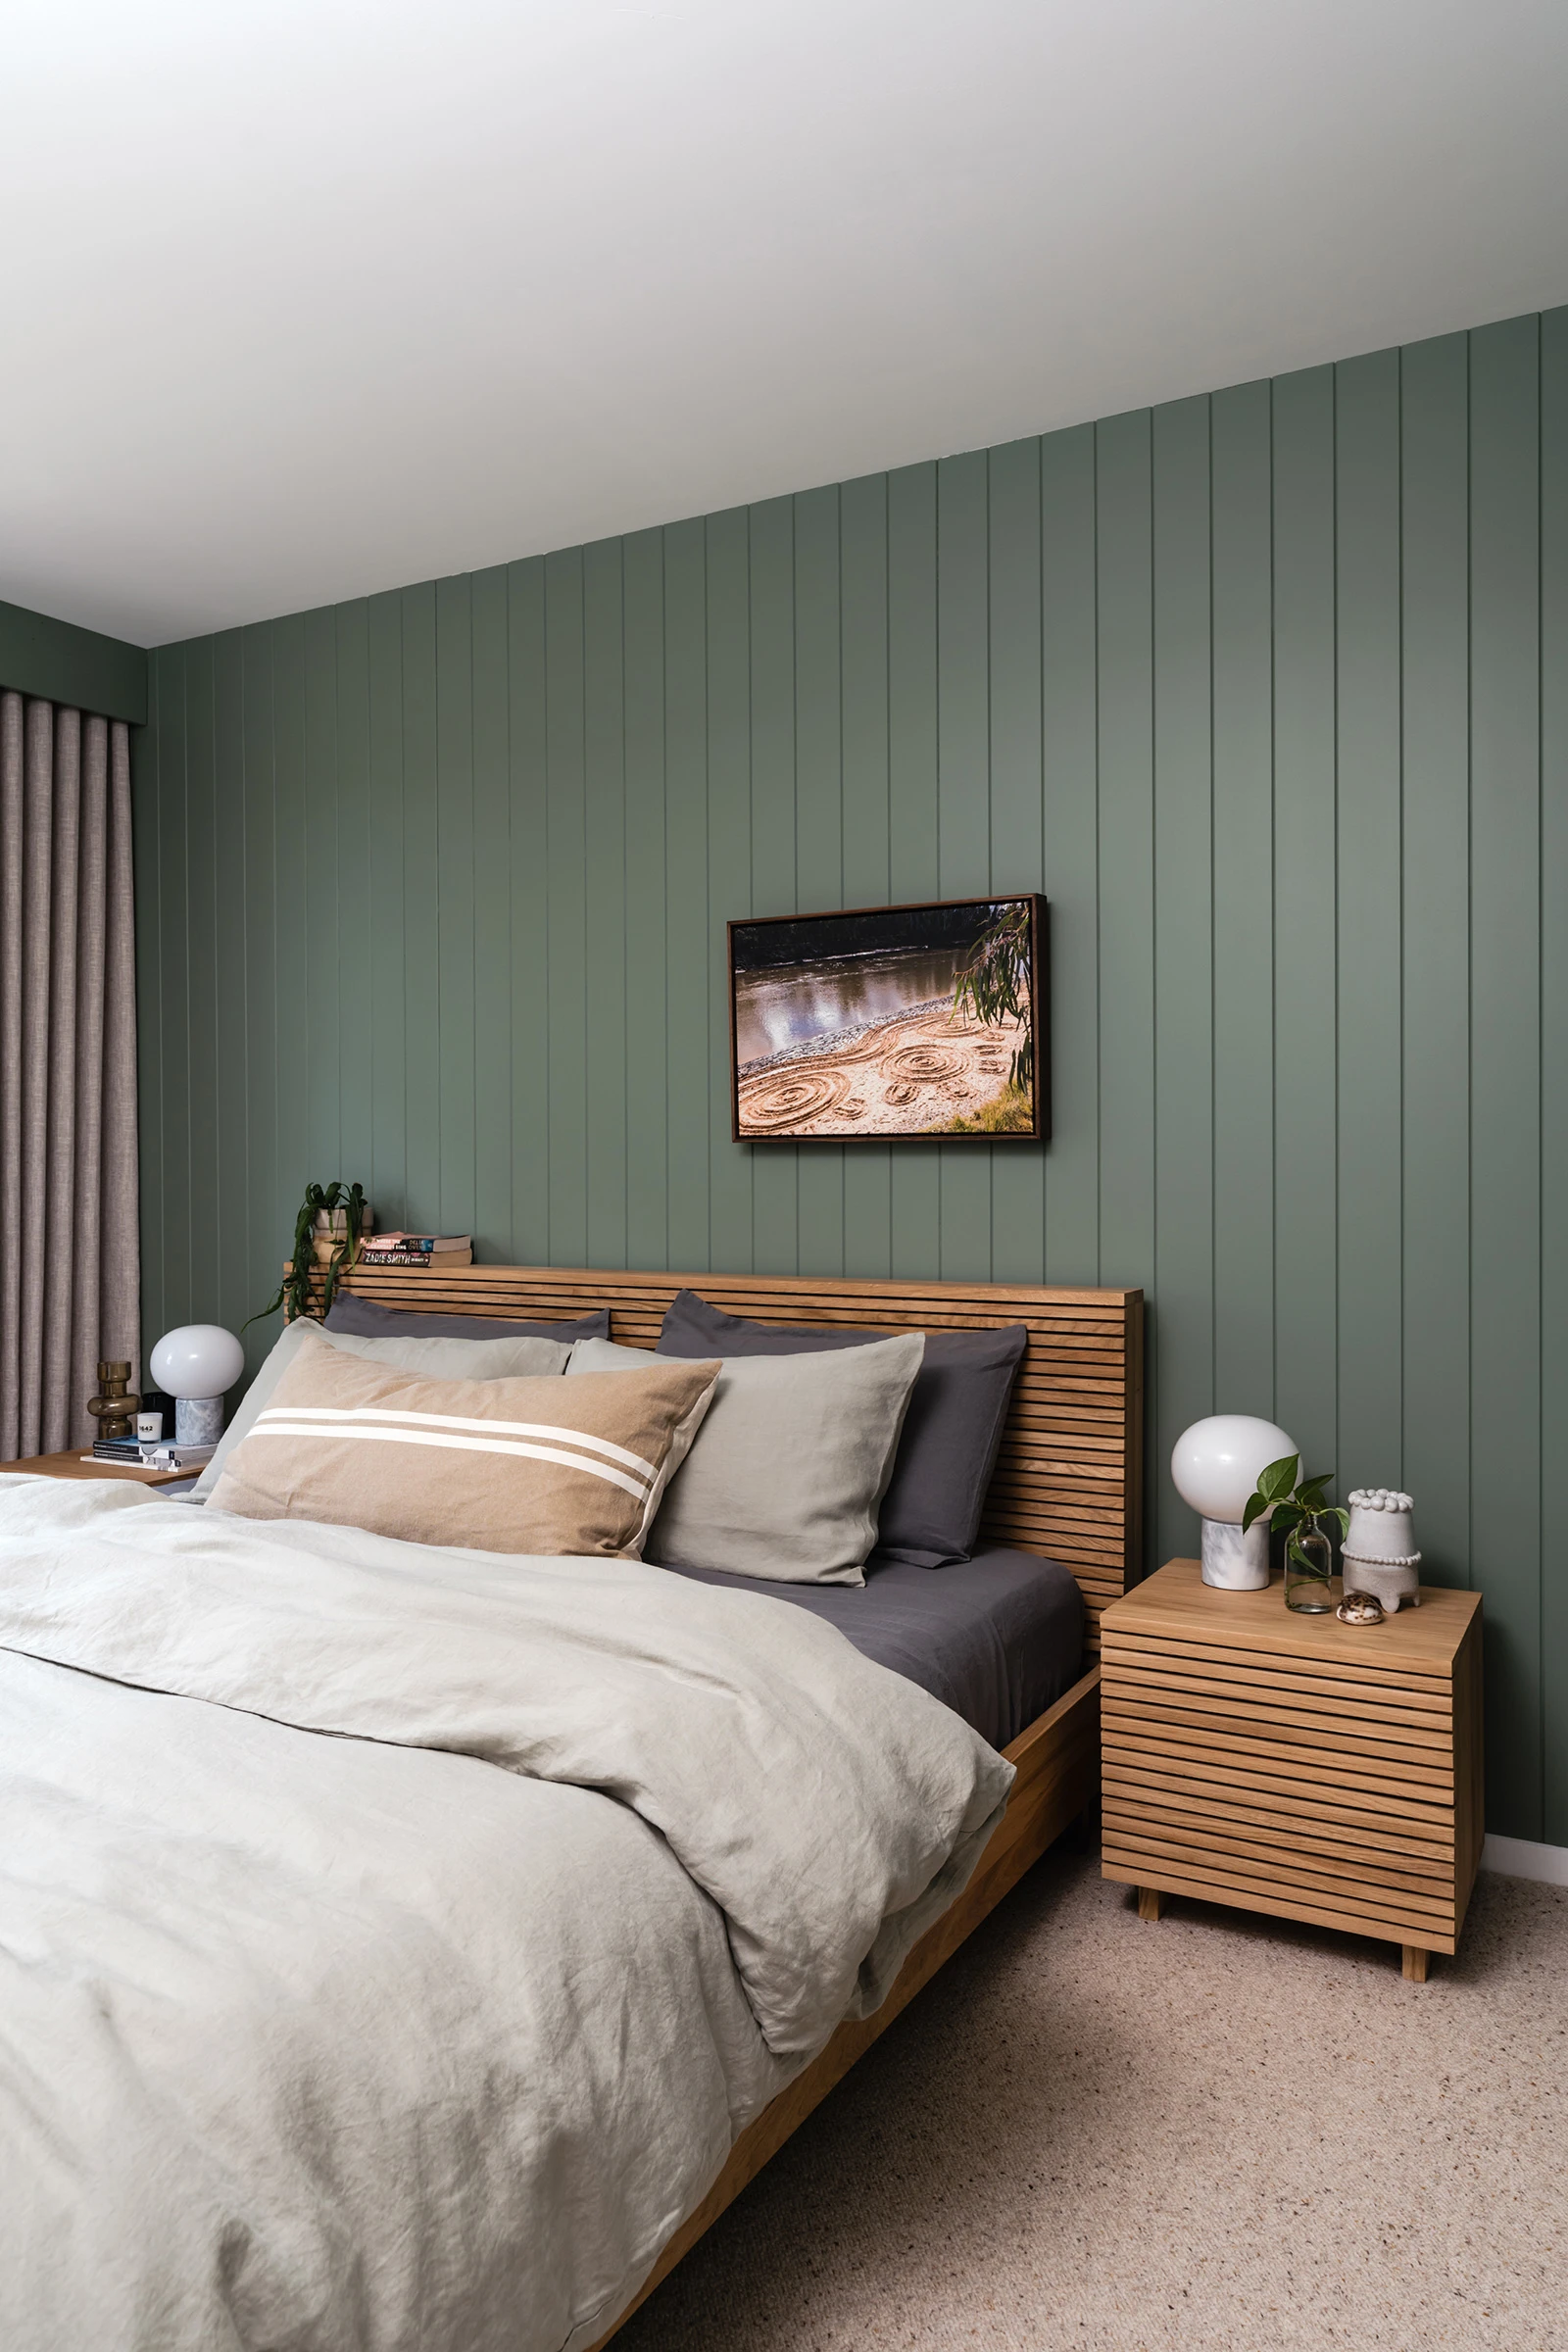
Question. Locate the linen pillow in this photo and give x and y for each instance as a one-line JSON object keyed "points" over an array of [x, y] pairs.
{"points": [[608, 1355], [785, 1479], [930, 1514], [459, 1359], [524, 1465], [436, 1358], [366, 1320]]}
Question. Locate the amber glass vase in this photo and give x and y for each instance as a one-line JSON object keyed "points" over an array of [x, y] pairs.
{"points": [[1309, 1570]]}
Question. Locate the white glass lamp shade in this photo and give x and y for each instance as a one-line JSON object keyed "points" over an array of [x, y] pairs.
{"points": [[200, 1360], [1216, 1463]]}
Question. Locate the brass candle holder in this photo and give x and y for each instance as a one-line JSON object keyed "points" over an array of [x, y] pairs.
{"points": [[113, 1408]]}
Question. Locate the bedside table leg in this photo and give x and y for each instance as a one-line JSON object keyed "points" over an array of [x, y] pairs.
{"points": [[1415, 1964], [1149, 1900]]}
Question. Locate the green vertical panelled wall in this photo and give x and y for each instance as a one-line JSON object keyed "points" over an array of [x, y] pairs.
{"points": [[1266, 691]]}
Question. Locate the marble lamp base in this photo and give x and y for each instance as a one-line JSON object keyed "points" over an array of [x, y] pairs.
{"points": [[198, 1420], [1234, 1561]]}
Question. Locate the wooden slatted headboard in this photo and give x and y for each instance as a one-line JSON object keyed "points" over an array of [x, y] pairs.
{"points": [[1068, 1479]]}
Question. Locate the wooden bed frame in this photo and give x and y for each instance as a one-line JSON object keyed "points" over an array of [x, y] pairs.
{"points": [[1066, 1483]]}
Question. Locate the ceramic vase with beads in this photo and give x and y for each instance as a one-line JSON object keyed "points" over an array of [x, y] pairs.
{"points": [[1380, 1554]]}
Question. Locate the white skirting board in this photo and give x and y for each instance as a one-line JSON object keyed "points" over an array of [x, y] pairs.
{"points": [[1522, 1858]]}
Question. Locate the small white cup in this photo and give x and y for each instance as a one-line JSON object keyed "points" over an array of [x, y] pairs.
{"points": [[149, 1428]]}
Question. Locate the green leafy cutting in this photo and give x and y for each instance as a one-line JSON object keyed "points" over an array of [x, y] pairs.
{"points": [[1293, 1505], [293, 1292]]}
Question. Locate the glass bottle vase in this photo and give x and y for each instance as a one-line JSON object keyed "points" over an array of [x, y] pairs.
{"points": [[1309, 1570]]}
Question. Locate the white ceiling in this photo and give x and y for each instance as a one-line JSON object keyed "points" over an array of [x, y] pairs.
{"points": [[302, 298]]}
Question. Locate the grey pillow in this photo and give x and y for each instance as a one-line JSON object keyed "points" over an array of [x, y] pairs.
{"points": [[440, 1358], [930, 1514], [437, 1358], [366, 1320], [788, 1468], [608, 1355]]}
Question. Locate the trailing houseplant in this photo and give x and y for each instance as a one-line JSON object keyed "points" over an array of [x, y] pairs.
{"points": [[1299, 1507], [343, 1209]]}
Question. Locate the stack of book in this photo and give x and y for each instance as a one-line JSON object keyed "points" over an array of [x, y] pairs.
{"points": [[117, 1450], [439, 1251], [171, 1454], [129, 1453]]}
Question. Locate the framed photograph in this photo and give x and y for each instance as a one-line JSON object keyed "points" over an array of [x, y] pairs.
{"points": [[889, 1024]]}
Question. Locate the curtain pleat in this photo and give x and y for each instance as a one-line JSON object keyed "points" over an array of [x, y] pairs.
{"points": [[70, 1279]]}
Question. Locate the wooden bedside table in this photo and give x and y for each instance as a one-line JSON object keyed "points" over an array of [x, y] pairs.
{"points": [[1290, 1764], [72, 1465]]}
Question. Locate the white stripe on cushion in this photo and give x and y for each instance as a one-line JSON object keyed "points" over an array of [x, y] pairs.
{"points": [[281, 1426], [509, 1429]]}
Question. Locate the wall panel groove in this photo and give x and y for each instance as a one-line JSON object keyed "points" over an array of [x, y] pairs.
{"points": [[1264, 690]]}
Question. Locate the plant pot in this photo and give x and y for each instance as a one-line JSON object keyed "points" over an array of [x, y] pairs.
{"points": [[336, 1221]]}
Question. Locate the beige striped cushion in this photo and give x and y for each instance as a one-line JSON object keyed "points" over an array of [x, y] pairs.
{"points": [[529, 1465]]}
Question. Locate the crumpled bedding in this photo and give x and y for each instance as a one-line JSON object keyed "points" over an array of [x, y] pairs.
{"points": [[394, 1939]]}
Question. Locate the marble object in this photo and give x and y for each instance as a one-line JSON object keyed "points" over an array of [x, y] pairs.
{"points": [[1234, 1561], [198, 1364], [198, 1420], [1379, 1548], [1215, 1466]]}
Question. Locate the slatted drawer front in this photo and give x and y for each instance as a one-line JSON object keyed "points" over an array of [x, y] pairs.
{"points": [[1296, 1786]]}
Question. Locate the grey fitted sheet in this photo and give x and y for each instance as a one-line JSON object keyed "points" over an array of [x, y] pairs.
{"points": [[998, 1638]]}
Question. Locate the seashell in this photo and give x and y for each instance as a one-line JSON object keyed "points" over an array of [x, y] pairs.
{"points": [[1360, 1608]]}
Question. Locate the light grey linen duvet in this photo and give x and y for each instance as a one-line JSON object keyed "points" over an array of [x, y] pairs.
{"points": [[394, 1939]]}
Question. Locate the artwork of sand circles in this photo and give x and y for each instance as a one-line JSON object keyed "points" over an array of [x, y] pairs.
{"points": [[928, 1057], [792, 1097], [907, 1068]]}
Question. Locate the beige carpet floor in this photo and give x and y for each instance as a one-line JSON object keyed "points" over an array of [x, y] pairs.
{"points": [[1211, 2132]]}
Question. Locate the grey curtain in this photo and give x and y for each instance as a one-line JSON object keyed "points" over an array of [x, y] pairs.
{"points": [[70, 1271]]}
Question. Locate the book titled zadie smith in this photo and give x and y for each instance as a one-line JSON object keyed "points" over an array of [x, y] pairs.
{"points": [[417, 1249]]}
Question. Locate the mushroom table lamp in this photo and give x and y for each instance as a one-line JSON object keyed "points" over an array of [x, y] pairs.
{"points": [[1216, 1465], [198, 1365]]}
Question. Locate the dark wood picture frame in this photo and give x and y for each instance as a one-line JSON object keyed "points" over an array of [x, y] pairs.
{"points": [[1039, 1019]]}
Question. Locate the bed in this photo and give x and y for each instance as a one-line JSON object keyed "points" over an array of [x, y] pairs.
{"points": [[1065, 1487], [1067, 1484]]}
